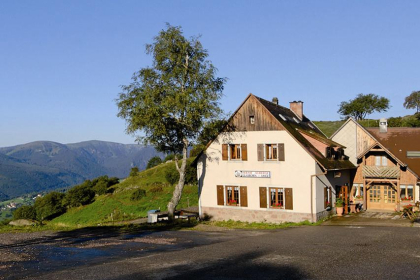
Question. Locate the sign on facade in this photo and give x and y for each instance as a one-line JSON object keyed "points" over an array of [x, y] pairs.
{"points": [[252, 174]]}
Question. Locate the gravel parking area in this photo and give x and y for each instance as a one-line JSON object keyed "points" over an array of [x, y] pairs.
{"points": [[308, 252]]}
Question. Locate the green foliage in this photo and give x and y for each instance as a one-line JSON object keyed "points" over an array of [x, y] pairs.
{"points": [[156, 189], [79, 195], [210, 130], [49, 206], [413, 101], [172, 174], [171, 100], [196, 150], [328, 127], [134, 171], [102, 184], [171, 157], [363, 105], [154, 161], [339, 202], [25, 212], [137, 195]]}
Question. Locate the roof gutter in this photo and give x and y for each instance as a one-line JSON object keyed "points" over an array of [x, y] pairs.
{"points": [[312, 202]]}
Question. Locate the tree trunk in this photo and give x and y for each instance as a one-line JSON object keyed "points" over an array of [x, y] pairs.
{"points": [[176, 196]]}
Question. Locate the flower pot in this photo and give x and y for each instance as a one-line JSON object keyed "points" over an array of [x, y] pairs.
{"points": [[340, 211]]}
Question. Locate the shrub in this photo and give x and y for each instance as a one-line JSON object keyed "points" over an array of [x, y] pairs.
{"points": [[196, 150], [154, 161], [25, 212], [156, 189], [172, 175], [101, 187], [49, 206], [79, 195], [134, 171], [138, 194]]}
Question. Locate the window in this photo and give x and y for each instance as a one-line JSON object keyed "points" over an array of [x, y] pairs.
{"points": [[234, 152], [413, 154], [406, 193], [251, 120], [271, 151], [381, 161], [232, 196], [327, 197], [277, 198]]}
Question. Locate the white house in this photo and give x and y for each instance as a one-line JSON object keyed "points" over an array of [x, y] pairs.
{"points": [[271, 164]]}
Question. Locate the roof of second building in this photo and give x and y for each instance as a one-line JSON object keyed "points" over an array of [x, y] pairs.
{"points": [[400, 141]]}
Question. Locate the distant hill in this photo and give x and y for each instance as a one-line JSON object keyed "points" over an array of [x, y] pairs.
{"points": [[45, 165]]}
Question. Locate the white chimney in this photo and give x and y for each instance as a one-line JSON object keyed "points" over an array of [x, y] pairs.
{"points": [[383, 125], [297, 108]]}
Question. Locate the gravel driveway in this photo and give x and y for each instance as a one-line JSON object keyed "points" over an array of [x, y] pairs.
{"points": [[310, 252]]}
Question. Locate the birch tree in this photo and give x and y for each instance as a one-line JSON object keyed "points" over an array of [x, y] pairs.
{"points": [[169, 102]]}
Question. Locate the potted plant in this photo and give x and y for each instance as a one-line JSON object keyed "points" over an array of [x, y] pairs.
{"points": [[339, 203]]}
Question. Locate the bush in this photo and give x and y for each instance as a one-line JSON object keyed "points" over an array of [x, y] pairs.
{"points": [[79, 195], [49, 206], [101, 187], [157, 189], [196, 150], [154, 161], [25, 212], [172, 175], [138, 194], [134, 171]]}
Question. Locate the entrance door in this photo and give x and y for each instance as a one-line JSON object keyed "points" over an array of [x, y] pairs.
{"points": [[381, 197]]}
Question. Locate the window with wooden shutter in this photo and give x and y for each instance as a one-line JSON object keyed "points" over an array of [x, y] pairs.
{"points": [[289, 198], [224, 152], [263, 197], [260, 152], [220, 196], [244, 196], [244, 152], [281, 152]]}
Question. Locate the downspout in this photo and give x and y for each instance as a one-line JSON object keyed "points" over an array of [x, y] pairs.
{"points": [[312, 177]]}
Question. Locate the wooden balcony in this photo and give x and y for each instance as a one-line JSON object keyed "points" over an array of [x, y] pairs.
{"points": [[391, 172]]}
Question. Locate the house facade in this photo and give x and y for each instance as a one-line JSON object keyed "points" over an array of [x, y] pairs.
{"points": [[388, 164], [271, 164]]}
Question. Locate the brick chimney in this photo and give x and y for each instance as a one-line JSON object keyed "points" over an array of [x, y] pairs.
{"points": [[297, 108], [275, 100]]}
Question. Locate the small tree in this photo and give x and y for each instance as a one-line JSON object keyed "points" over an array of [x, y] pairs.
{"points": [[79, 195], [134, 171], [362, 105], [49, 206], [154, 161], [171, 100], [25, 212], [413, 101]]}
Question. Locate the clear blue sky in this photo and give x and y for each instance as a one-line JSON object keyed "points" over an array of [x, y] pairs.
{"points": [[62, 62]]}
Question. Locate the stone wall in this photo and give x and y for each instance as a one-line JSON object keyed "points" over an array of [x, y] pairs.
{"points": [[267, 216]]}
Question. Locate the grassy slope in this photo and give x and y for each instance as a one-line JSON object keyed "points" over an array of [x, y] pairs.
{"points": [[329, 127], [120, 205]]}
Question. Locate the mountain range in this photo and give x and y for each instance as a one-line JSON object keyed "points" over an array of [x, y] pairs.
{"points": [[45, 165]]}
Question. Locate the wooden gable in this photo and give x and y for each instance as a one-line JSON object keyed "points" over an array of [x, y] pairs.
{"points": [[253, 116]]}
